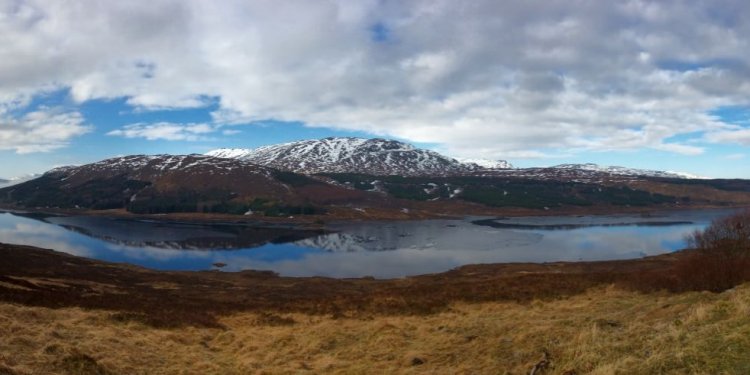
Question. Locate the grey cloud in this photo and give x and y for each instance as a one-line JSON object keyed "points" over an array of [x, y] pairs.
{"points": [[738, 136], [504, 77]]}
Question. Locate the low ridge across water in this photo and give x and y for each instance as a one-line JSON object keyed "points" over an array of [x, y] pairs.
{"points": [[379, 249]]}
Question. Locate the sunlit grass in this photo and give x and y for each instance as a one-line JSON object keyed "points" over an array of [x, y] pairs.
{"points": [[604, 331]]}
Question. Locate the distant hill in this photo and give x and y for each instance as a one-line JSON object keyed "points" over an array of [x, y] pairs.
{"points": [[624, 171], [185, 183]]}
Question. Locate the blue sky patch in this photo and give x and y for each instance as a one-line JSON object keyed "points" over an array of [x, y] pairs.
{"points": [[737, 115], [379, 32]]}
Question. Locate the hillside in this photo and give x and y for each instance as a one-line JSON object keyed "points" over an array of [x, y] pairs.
{"points": [[555, 191], [65, 314], [187, 183]]}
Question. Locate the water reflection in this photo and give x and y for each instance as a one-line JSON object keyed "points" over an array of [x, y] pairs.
{"points": [[435, 235], [36, 234], [380, 249], [178, 235]]}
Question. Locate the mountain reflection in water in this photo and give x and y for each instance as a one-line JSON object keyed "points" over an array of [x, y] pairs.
{"points": [[178, 235], [379, 249]]}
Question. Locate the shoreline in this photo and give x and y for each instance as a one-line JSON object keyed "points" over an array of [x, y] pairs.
{"points": [[379, 214]]}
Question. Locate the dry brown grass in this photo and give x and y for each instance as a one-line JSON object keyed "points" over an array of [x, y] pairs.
{"points": [[44, 278], [603, 331]]}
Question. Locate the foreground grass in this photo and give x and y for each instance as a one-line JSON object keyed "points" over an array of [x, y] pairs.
{"points": [[604, 331]]}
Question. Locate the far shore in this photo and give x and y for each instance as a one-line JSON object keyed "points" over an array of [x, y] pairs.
{"points": [[426, 211]]}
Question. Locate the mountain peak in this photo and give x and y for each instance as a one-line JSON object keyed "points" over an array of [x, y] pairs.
{"points": [[376, 156], [488, 163], [228, 153]]}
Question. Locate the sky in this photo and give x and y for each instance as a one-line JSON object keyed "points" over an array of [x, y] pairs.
{"points": [[648, 84]]}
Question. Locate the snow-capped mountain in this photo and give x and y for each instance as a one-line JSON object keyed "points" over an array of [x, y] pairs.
{"points": [[230, 153], [585, 173], [388, 157], [152, 167], [172, 183], [623, 171], [488, 164], [352, 155]]}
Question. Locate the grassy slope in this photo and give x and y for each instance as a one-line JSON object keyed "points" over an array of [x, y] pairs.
{"points": [[603, 331]]}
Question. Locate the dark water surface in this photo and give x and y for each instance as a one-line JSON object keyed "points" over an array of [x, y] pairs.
{"points": [[379, 249]]}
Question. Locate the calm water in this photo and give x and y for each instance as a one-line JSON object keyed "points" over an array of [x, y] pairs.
{"points": [[380, 249]]}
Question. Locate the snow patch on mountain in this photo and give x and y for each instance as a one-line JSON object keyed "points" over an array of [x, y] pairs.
{"points": [[230, 153], [147, 167], [488, 164]]}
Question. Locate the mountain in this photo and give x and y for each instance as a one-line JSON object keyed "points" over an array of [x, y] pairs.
{"points": [[344, 175], [177, 183], [353, 155], [211, 184], [383, 157], [623, 171], [587, 173], [487, 163]]}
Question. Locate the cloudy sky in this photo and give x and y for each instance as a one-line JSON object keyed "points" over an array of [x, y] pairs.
{"points": [[650, 84]]}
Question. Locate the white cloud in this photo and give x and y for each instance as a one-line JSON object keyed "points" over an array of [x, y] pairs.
{"points": [[737, 156], [43, 130], [738, 135], [680, 148], [165, 131], [508, 78]]}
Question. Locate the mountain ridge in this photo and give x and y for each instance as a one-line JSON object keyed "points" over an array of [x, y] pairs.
{"points": [[626, 171], [154, 184], [176, 183], [376, 156]]}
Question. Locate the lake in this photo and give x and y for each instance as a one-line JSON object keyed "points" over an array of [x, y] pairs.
{"points": [[378, 249]]}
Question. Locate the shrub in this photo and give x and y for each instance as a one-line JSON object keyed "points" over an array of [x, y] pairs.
{"points": [[721, 259]]}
